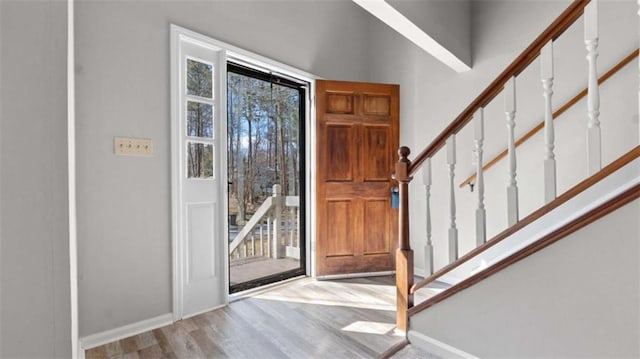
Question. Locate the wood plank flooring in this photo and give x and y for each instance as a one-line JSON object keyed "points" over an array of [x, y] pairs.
{"points": [[413, 352], [304, 318]]}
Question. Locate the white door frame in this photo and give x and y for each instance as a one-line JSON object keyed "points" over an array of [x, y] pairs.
{"points": [[235, 54]]}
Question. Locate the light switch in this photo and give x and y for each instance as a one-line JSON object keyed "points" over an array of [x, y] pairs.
{"points": [[129, 146]]}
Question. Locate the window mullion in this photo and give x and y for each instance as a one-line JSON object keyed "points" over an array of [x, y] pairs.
{"points": [[199, 99]]}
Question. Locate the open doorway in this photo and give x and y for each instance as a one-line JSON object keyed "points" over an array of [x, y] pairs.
{"points": [[266, 118]]}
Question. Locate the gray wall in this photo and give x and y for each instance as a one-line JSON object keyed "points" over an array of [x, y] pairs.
{"points": [[433, 95], [531, 309], [123, 90], [34, 250], [446, 21]]}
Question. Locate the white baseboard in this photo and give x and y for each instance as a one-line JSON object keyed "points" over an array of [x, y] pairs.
{"points": [[203, 311], [111, 335], [436, 347]]}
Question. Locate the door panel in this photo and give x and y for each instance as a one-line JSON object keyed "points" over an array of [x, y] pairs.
{"points": [[357, 137], [340, 103], [377, 105], [375, 156], [200, 240], [339, 217], [376, 232], [339, 151]]}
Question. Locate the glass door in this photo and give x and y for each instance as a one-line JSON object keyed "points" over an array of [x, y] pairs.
{"points": [[265, 121]]}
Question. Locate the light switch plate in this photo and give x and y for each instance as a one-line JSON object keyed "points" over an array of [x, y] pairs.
{"points": [[130, 146]]}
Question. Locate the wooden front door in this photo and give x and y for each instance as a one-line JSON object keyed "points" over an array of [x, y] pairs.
{"points": [[357, 140]]}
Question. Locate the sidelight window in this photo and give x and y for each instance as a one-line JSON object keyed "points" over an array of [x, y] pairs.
{"points": [[200, 97]]}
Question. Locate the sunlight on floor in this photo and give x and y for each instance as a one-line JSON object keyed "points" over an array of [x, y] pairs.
{"points": [[340, 293], [310, 291], [370, 327]]}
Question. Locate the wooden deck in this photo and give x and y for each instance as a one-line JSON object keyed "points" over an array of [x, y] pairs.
{"points": [[304, 318], [244, 270]]}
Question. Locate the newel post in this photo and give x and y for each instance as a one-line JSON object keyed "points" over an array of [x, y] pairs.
{"points": [[404, 253]]}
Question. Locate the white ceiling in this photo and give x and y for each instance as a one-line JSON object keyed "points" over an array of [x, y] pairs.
{"points": [[400, 23]]}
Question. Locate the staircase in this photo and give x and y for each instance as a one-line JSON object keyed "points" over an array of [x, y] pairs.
{"points": [[574, 207]]}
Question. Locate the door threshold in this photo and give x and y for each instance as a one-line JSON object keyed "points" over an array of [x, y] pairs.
{"points": [[355, 275], [264, 288]]}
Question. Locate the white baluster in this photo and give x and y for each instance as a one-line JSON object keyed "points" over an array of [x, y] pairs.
{"points": [[593, 97], [276, 252], [296, 213], [269, 223], [639, 79], [453, 231], [481, 221], [261, 237], [291, 224], [253, 242], [512, 188], [428, 247], [546, 67]]}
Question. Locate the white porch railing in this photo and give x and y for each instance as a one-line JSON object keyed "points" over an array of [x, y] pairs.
{"points": [[272, 232]]}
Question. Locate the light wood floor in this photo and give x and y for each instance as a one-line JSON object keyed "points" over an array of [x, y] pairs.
{"points": [[413, 352], [304, 318]]}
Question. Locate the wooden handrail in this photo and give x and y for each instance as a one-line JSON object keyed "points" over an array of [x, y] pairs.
{"points": [[552, 32], [620, 200], [579, 188], [620, 65]]}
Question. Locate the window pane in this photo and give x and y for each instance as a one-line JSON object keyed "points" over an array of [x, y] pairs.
{"points": [[199, 79], [199, 119], [199, 160]]}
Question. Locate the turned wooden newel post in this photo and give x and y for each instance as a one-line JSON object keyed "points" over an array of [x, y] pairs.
{"points": [[404, 254]]}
